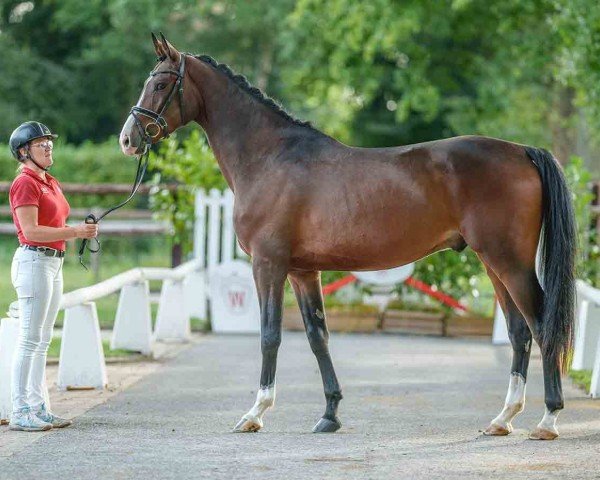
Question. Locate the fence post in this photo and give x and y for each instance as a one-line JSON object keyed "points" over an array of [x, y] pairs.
{"points": [[172, 319], [587, 333], [133, 321], [9, 336], [228, 235], [200, 227], [81, 362], [194, 290], [595, 383], [500, 332], [214, 228]]}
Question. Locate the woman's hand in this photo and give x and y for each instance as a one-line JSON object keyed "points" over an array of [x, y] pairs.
{"points": [[86, 230]]}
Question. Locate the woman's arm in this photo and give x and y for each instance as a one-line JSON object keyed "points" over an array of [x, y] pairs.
{"points": [[28, 219]]}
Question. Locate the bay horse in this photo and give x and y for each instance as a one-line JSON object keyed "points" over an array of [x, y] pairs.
{"points": [[305, 202]]}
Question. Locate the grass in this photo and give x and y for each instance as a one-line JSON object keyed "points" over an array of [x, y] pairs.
{"points": [[582, 378], [75, 276], [54, 349]]}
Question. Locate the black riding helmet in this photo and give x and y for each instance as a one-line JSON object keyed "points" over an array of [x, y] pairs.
{"points": [[25, 133]]}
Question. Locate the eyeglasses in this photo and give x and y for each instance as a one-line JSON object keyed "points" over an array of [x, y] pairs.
{"points": [[47, 145]]}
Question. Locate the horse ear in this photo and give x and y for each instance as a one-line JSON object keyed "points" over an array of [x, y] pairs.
{"points": [[169, 49], [157, 46]]}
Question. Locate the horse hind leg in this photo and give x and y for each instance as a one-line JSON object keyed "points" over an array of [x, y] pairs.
{"points": [[523, 286], [520, 339], [307, 287]]}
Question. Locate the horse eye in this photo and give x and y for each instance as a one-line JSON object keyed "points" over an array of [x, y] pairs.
{"points": [[160, 86]]}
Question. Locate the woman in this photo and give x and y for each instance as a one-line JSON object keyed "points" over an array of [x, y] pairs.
{"points": [[39, 211]]}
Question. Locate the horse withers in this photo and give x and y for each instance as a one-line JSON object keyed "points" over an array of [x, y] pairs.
{"points": [[305, 202]]}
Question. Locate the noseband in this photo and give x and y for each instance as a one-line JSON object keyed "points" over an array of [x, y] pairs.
{"points": [[157, 128]]}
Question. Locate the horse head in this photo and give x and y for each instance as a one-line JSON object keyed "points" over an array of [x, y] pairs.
{"points": [[160, 109]]}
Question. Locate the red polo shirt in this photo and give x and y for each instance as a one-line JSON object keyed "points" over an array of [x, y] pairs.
{"points": [[53, 209]]}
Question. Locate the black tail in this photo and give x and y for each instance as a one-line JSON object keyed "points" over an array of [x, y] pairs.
{"points": [[557, 263]]}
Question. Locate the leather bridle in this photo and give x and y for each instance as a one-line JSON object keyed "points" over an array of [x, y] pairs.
{"points": [[158, 127], [155, 130]]}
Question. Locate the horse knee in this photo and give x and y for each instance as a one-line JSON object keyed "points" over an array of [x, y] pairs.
{"points": [[270, 342], [318, 340]]}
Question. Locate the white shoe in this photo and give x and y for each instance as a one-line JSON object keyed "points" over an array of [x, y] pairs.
{"points": [[25, 420]]}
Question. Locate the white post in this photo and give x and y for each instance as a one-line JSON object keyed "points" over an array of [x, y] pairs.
{"points": [[587, 333], [233, 299], [228, 235], [9, 334], [172, 319], [200, 227], [81, 362], [595, 384], [214, 227], [194, 291], [500, 332], [133, 321]]}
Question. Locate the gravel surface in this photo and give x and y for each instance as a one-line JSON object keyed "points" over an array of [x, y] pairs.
{"points": [[413, 408]]}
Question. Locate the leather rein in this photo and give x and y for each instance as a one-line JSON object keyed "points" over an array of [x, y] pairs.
{"points": [[156, 129]]}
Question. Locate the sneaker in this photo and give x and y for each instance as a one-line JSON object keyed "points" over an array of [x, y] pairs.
{"points": [[26, 421], [52, 419]]}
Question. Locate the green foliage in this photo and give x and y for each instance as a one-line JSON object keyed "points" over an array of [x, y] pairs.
{"points": [[456, 274], [54, 349], [86, 163], [191, 165], [588, 255], [582, 378]]}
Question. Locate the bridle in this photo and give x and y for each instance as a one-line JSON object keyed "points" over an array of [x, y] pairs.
{"points": [[156, 129]]}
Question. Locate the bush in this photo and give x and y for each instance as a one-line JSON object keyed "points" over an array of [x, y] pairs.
{"points": [[588, 255], [190, 164]]}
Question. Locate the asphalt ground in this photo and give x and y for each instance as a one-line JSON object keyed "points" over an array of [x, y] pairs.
{"points": [[413, 407]]}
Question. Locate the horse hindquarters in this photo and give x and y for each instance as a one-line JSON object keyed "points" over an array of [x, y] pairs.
{"points": [[508, 248]]}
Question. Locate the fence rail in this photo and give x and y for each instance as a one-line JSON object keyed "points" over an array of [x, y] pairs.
{"points": [[104, 188]]}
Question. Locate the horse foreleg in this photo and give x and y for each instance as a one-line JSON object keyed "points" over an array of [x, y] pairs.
{"points": [[269, 277], [307, 287]]}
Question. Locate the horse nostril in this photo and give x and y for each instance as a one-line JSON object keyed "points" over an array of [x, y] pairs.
{"points": [[126, 141]]}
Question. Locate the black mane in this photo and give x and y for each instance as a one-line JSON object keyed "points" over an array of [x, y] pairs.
{"points": [[242, 82]]}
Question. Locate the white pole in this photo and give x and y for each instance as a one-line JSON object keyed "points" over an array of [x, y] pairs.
{"points": [[228, 235], [200, 227], [133, 322], [500, 332], [214, 227]]}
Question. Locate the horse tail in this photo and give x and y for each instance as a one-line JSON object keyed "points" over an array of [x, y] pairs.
{"points": [[557, 259]]}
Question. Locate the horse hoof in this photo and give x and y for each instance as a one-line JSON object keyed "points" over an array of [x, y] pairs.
{"points": [[495, 430], [327, 426], [543, 434], [248, 424]]}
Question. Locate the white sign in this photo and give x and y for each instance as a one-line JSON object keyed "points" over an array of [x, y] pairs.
{"points": [[233, 299], [386, 277]]}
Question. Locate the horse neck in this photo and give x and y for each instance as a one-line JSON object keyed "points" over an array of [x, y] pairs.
{"points": [[243, 133]]}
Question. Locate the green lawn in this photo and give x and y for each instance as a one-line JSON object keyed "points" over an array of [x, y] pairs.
{"points": [[75, 276], [54, 349]]}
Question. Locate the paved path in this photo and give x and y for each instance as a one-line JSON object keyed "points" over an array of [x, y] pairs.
{"points": [[412, 409]]}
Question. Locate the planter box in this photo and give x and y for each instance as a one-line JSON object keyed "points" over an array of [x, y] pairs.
{"points": [[338, 320], [436, 323], [414, 322], [469, 326], [396, 321]]}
